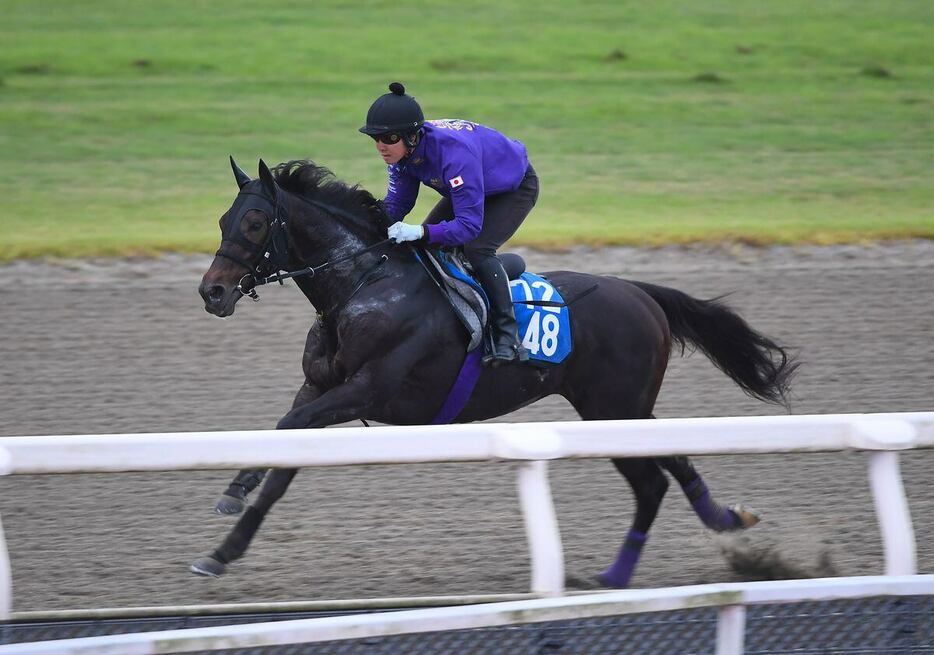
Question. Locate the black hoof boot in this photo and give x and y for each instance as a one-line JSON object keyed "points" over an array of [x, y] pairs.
{"points": [[231, 501], [208, 566], [234, 499]]}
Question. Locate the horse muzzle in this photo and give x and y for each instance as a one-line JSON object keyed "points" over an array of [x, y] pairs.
{"points": [[219, 300]]}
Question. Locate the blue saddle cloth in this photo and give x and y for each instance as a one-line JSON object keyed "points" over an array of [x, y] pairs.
{"points": [[543, 318]]}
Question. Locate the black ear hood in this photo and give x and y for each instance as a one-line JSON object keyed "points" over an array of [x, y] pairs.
{"points": [[269, 183], [263, 195], [242, 178]]}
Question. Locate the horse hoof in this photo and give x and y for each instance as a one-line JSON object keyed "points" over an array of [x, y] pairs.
{"points": [[208, 566], [747, 517], [604, 580], [585, 583], [229, 505]]}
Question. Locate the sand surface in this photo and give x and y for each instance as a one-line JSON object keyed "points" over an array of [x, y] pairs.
{"points": [[125, 346]]}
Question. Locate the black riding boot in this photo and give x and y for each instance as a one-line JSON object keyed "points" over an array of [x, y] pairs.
{"points": [[503, 328]]}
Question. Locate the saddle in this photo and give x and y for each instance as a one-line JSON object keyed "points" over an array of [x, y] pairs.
{"points": [[451, 272], [542, 312]]}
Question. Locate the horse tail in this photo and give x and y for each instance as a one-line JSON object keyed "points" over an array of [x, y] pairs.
{"points": [[760, 366]]}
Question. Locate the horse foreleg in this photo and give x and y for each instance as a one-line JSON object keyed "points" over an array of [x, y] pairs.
{"points": [[233, 500], [714, 515], [236, 543], [649, 485], [374, 382], [339, 405]]}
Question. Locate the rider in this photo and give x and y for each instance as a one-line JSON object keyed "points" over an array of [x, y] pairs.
{"points": [[488, 188]]}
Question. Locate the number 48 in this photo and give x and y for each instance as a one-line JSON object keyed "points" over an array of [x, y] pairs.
{"points": [[542, 334]]}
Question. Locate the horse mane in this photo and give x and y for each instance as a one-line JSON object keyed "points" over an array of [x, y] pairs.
{"points": [[306, 179]]}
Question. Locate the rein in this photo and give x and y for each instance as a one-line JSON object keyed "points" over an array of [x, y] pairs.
{"points": [[279, 276], [364, 280]]}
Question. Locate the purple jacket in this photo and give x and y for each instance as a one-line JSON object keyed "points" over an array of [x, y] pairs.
{"points": [[461, 160]]}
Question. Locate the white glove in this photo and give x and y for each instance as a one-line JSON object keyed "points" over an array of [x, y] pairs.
{"points": [[400, 232]]}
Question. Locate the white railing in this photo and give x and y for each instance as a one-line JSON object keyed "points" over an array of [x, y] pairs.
{"points": [[529, 444], [732, 598]]}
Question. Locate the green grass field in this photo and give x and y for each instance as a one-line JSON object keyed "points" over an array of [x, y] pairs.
{"points": [[649, 123]]}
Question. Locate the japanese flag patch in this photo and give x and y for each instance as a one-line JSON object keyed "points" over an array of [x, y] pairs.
{"points": [[456, 182]]}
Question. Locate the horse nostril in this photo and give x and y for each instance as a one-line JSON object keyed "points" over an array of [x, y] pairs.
{"points": [[214, 294]]}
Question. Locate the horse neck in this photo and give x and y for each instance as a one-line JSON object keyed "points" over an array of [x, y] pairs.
{"points": [[316, 238]]}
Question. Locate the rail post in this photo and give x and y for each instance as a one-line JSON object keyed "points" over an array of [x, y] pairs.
{"points": [[731, 630], [541, 529], [532, 447], [888, 492], [6, 576], [883, 438]]}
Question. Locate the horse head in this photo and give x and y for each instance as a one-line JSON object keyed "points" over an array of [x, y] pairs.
{"points": [[297, 212], [252, 242]]}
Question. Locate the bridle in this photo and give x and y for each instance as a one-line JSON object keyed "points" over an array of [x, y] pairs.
{"points": [[272, 255]]}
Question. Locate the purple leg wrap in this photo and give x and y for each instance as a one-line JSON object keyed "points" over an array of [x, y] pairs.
{"points": [[714, 516], [619, 574]]}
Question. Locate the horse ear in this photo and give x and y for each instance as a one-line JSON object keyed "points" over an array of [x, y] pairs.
{"points": [[242, 178], [268, 181]]}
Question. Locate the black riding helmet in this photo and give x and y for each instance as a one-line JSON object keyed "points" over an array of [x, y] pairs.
{"points": [[393, 112]]}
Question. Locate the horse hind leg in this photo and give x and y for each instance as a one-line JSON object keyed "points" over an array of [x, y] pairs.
{"points": [[238, 540], [711, 513], [649, 485]]}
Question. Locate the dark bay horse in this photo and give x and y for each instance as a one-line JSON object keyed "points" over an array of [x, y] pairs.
{"points": [[387, 346]]}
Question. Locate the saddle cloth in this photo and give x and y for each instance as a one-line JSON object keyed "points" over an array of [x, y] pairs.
{"points": [[542, 316]]}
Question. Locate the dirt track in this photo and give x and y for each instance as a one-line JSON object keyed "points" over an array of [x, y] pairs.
{"points": [[125, 346]]}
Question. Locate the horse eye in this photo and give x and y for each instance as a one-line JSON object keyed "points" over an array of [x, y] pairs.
{"points": [[255, 225]]}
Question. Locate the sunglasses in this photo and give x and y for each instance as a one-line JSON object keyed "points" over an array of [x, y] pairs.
{"points": [[390, 139]]}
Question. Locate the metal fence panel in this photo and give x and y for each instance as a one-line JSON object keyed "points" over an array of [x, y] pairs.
{"points": [[876, 626]]}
